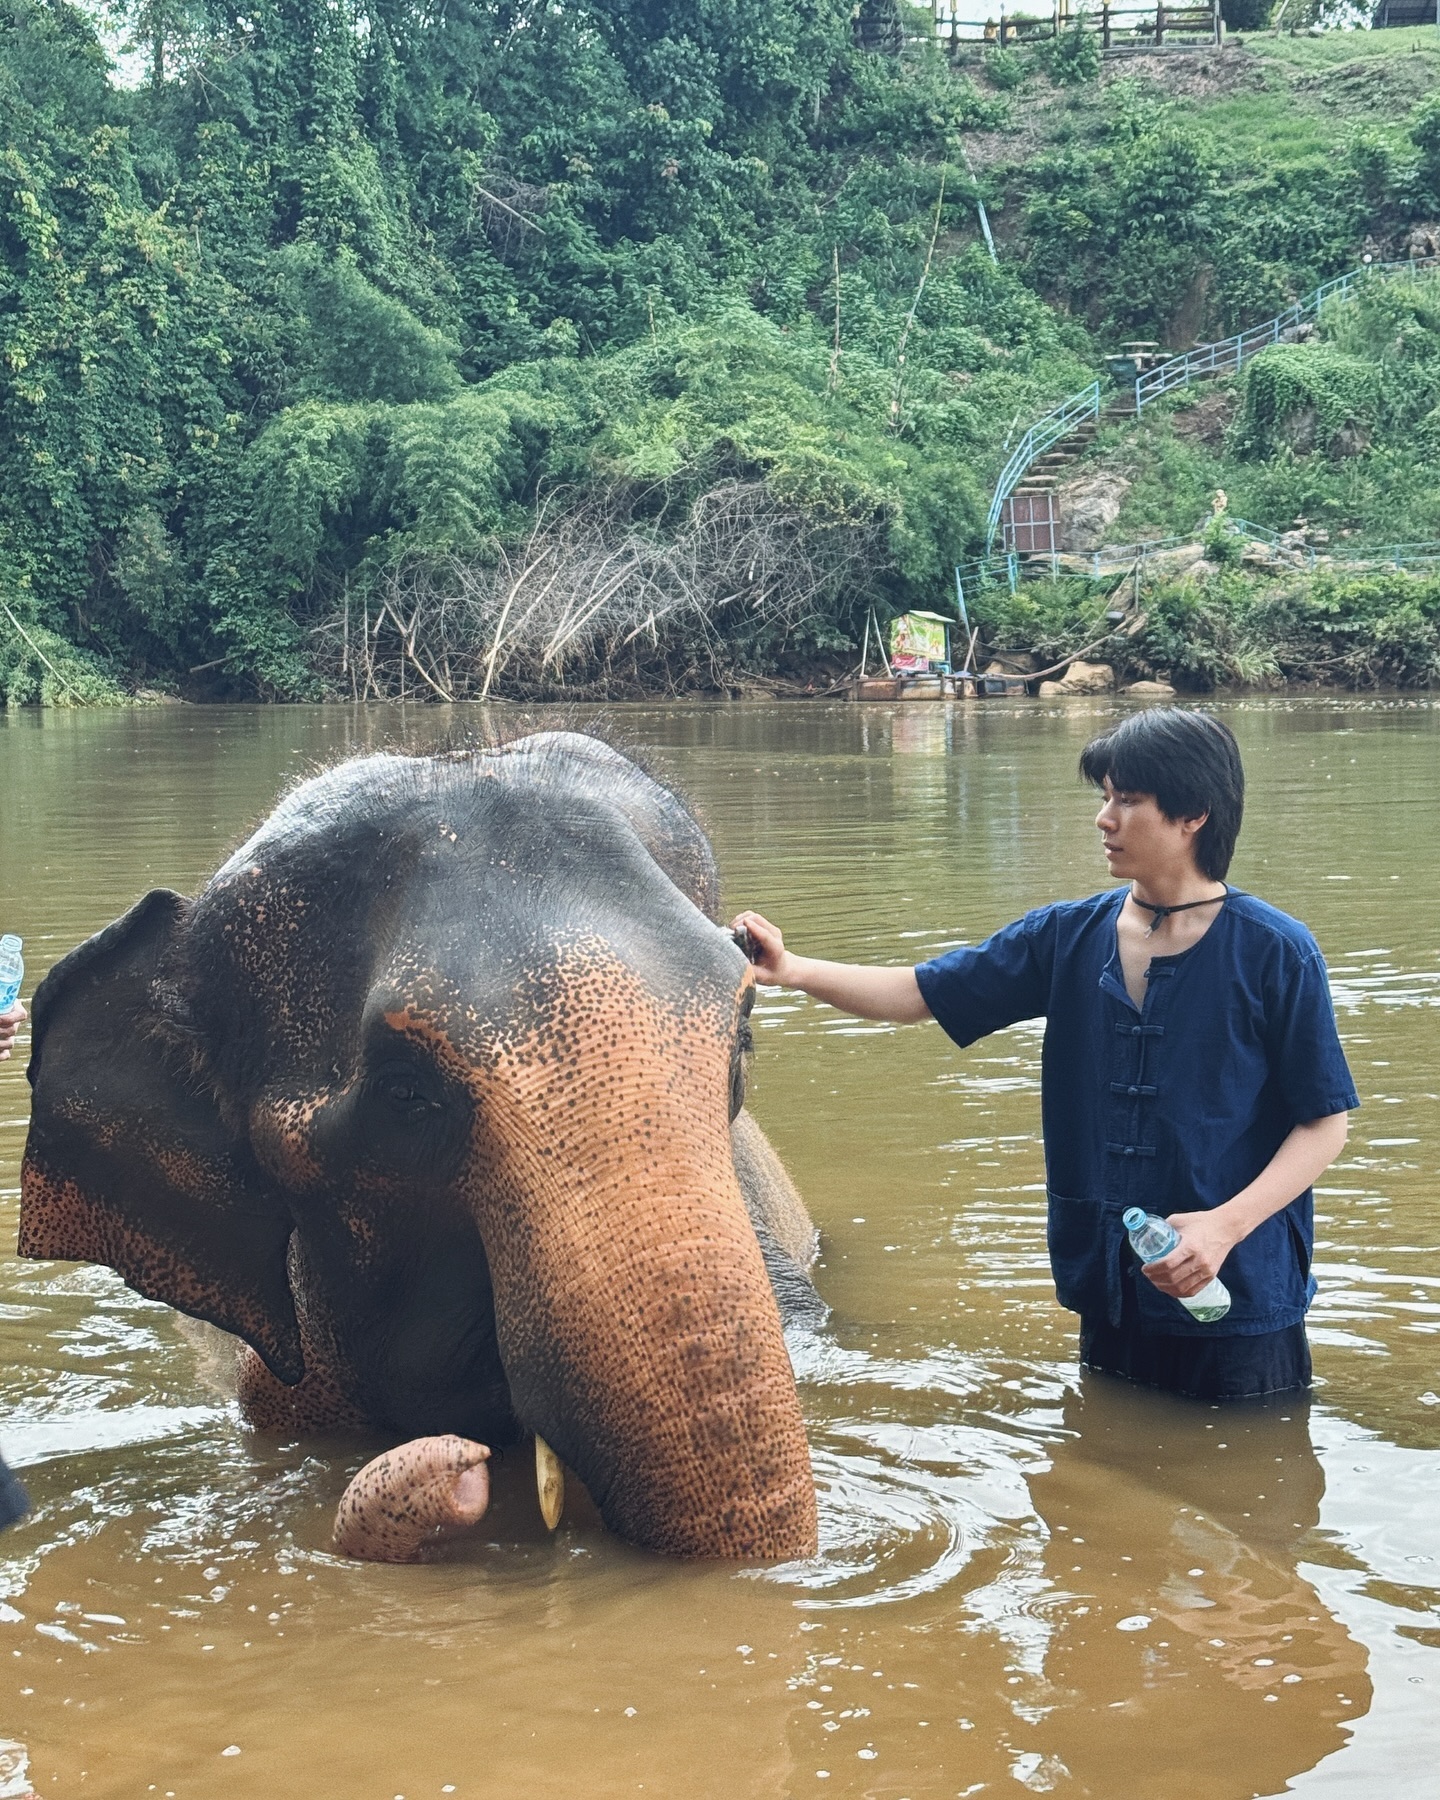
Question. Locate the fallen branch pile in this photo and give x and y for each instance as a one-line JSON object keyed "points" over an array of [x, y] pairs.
{"points": [[598, 601]]}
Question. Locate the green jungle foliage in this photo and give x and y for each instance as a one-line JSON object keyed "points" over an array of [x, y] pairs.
{"points": [[1305, 397], [344, 292]]}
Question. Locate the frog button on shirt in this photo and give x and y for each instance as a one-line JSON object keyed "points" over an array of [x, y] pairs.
{"points": [[1175, 1106]]}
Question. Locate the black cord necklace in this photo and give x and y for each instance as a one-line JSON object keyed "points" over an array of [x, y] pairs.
{"points": [[1162, 913]]}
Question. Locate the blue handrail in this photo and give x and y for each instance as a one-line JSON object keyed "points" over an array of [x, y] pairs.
{"points": [[1223, 358], [1231, 354], [1059, 422], [1111, 559]]}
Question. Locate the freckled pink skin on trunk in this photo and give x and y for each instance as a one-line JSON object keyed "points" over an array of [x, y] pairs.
{"points": [[635, 1317], [405, 1502]]}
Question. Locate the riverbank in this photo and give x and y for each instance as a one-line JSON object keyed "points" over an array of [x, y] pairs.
{"points": [[1225, 614]]}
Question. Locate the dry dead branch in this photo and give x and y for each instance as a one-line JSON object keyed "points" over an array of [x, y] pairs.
{"points": [[508, 211], [598, 601]]}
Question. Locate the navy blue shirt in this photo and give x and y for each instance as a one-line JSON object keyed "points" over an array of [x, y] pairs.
{"points": [[1175, 1106]]}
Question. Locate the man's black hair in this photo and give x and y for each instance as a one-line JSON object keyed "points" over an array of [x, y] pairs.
{"points": [[1189, 761]]}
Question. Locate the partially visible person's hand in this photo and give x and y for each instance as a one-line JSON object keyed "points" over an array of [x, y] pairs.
{"points": [[1206, 1239], [770, 964], [10, 1023]]}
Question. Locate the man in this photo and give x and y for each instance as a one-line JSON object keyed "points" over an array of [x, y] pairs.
{"points": [[13, 1502], [1191, 1067]]}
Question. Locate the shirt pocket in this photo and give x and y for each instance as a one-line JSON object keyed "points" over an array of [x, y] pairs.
{"points": [[1084, 1238]]}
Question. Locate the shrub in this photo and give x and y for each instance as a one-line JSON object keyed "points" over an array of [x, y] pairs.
{"points": [[1302, 397], [1073, 58], [1004, 69]]}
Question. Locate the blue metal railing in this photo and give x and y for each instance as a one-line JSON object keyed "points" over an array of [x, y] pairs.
{"points": [[1231, 354], [1056, 424], [1223, 358]]}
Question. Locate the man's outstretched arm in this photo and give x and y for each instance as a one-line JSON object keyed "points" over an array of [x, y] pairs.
{"points": [[891, 994]]}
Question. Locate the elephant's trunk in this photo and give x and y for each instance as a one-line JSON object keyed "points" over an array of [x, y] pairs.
{"points": [[636, 1323]]}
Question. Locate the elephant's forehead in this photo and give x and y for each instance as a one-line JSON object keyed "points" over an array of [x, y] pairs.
{"points": [[564, 774]]}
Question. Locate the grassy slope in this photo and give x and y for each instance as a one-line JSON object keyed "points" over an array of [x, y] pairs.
{"points": [[1272, 103]]}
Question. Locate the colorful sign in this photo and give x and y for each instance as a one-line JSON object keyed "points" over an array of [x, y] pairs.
{"points": [[917, 641]]}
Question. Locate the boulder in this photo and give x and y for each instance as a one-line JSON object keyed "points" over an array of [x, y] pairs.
{"points": [[1082, 678], [1150, 690], [1176, 561], [1089, 506], [1256, 555], [1424, 240]]}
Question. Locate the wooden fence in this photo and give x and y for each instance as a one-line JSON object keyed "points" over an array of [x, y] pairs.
{"points": [[1118, 27]]}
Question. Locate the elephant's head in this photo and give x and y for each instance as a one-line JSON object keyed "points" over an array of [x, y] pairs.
{"points": [[431, 1088]]}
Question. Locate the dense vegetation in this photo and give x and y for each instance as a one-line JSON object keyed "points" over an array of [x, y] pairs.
{"points": [[601, 345]]}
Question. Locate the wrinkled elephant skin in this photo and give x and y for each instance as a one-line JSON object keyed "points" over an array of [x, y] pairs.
{"points": [[404, 1502], [432, 1095]]}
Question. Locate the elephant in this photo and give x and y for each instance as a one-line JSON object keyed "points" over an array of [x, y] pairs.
{"points": [[433, 1096]]}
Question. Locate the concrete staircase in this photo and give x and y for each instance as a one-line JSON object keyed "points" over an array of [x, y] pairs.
{"points": [[1043, 475]]}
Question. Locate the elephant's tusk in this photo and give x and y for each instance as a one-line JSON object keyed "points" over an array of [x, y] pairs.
{"points": [[549, 1483]]}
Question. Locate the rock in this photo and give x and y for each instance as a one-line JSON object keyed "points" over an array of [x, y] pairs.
{"points": [[1051, 690], [1169, 563], [1350, 440], [1084, 678], [1299, 428], [1150, 690], [1423, 241], [1256, 555], [1089, 505]]}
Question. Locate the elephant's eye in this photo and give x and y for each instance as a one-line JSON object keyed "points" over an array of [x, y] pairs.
{"points": [[405, 1097], [737, 1087]]}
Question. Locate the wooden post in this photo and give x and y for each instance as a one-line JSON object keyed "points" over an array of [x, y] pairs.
{"points": [[1219, 22], [1002, 27], [1105, 24], [1159, 24]]}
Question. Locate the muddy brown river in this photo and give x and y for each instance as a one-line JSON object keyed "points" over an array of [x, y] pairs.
{"points": [[1026, 1581]]}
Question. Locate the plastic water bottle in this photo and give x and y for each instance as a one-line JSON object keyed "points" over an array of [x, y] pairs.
{"points": [[12, 971], [1151, 1238]]}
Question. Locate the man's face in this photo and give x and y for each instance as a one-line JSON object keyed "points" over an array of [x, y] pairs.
{"points": [[1139, 841]]}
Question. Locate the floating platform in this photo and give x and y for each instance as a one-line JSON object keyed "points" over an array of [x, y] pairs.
{"points": [[936, 687]]}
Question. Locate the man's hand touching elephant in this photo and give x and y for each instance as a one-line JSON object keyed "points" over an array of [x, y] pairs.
{"points": [[768, 952], [869, 993]]}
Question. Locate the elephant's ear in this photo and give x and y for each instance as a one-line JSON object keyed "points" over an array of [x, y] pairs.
{"points": [[129, 1160]]}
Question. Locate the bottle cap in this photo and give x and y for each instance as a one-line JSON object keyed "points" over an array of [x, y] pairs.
{"points": [[1134, 1217]]}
